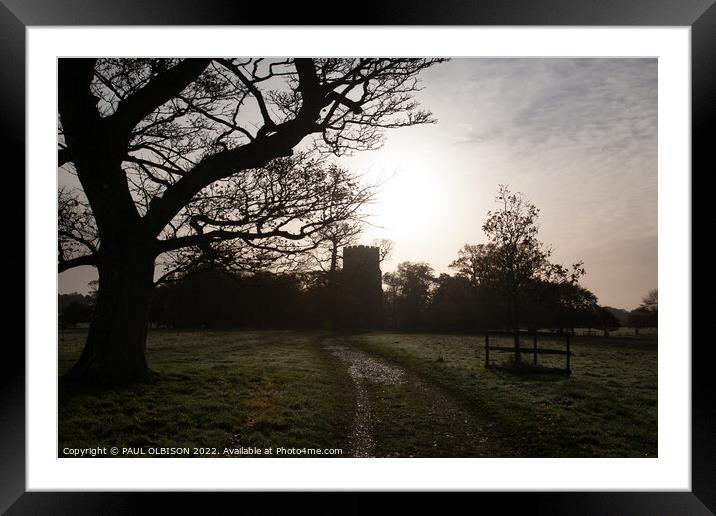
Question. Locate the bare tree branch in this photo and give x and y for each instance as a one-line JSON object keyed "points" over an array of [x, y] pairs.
{"points": [[159, 90], [64, 265]]}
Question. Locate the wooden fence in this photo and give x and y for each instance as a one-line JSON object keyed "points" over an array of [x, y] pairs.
{"points": [[534, 350]]}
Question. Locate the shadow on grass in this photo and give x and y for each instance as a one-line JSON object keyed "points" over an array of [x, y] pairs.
{"points": [[70, 386], [531, 371]]}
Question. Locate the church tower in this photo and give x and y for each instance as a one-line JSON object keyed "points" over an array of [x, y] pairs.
{"points": [[362, 287]]}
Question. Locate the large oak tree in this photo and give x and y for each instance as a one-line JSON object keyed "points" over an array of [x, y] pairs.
{"points": [[179, 158]]}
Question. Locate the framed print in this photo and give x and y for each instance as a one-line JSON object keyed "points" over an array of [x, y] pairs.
{"points": [[316, 267]]}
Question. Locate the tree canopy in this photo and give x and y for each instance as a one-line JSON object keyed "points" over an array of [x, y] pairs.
{"points": [[201, 137]]}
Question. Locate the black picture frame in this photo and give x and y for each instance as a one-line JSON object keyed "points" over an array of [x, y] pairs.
{"points": [[17, 15]]}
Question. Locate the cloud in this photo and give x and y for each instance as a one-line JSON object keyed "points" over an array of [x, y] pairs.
{"points": [[585, 103]]}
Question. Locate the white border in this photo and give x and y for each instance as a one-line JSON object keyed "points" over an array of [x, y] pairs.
{"points": [[670, 471]]}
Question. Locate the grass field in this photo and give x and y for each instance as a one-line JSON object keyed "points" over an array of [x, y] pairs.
{"points": [[373, 394]]}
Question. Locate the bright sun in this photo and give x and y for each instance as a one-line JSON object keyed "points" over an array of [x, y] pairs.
{"points": [[411, 199]]}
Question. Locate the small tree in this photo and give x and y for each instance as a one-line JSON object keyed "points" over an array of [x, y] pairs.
{"points": [[385, 248], [650, 302], [514, 261], [517, 257]]}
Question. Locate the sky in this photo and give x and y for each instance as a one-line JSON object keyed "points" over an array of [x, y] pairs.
{"points": [[577, 137]]}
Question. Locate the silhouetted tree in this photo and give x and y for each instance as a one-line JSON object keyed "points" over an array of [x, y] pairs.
{"points": [[327, 256], [74, 308], [93, 287], [210, 298], [452, 304], [183, 159], [549, 297], [77, 238], [576, 306], [606, 320], [336, 237], [651, 302], [74, 313], [647, 314], [515, 263], [385, 248], [410, 288], [478, 264]]}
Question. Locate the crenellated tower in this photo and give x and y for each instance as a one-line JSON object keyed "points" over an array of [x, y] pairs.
{"points": [[362, 287]]}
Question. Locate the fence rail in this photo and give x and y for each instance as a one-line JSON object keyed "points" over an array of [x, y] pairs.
{"points": [[534, 350]]}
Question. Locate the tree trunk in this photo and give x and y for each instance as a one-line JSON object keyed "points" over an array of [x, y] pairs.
{"points": [[333, 301], [115, 349], [516, 327], [395, 309]]}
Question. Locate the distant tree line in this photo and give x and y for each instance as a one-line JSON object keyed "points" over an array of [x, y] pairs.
{"points": [[418, 299], [74, 309], [508, 282], [415, 298]]}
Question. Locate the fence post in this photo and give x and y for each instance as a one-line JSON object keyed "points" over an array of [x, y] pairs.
{"points": [[569, 355], [487, 349], [534, 348]]}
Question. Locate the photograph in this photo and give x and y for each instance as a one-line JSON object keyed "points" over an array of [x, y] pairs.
{"points": [[357, 257]]}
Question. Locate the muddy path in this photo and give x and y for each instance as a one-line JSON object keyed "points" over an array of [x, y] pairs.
{"points": [[363, 369], [399, 413]]}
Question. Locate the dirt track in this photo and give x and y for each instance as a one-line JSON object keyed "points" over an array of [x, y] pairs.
{"points": [[363, 368]]}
